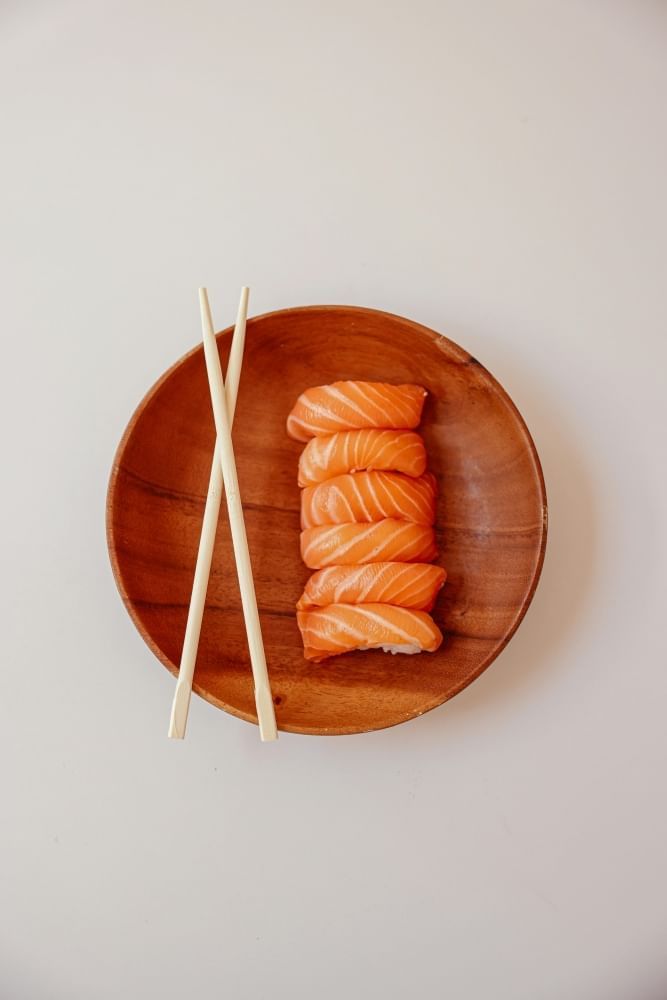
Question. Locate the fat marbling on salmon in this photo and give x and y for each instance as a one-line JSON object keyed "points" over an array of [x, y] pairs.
{"points": [[388, 540], [408, 585], [341, 406], [351, 451], [340, 628], [369, 496]]}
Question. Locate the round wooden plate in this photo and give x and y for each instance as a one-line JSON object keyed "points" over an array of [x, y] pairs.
{"points": [[491, 521]]}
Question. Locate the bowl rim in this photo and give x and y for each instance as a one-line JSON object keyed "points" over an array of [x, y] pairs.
{"points": [[453, 350]]}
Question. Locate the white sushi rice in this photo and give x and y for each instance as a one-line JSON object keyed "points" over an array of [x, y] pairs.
{"points": [[408, 648]]}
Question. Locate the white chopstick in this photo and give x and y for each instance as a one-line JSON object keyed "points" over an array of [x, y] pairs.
{"points": [[263, 700], [181, 702]]}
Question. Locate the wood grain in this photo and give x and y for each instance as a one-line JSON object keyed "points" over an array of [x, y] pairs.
{"points": [[491, 519]]}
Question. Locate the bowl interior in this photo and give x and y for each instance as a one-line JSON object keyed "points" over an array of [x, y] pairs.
{"points": [[491, 517]]}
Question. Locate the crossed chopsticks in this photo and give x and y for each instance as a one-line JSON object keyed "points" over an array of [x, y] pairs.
{"points": [[223, 471]]}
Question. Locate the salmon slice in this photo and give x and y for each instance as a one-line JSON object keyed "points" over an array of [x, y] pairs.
{"points": [[369, 496], [340, 628], [349, 451], [408, 585], [353, 544], [343, 406]]}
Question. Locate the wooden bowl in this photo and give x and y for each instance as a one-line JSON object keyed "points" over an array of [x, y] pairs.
{"points": [[491, 522]]}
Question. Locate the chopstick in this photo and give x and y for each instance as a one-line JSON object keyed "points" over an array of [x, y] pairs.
{"points": [[181, 703], [263, 699]]}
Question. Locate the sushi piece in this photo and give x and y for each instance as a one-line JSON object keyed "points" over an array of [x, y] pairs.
{"points": [[353, 544], [369, 496], [349, 451], [408, 585], [341, 628], [343, 406]]}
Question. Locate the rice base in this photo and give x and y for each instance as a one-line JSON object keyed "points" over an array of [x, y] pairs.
{"points": [[409, 648]]}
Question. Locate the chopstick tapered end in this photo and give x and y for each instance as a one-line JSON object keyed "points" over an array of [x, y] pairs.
{"points": [[179, 712], [266, 716]]}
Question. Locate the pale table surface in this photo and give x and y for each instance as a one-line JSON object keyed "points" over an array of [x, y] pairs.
{"points": [[497, 172]]}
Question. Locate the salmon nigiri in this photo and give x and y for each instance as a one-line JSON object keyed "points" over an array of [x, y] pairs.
{"points": [[353, 544], [369, 496], [341, 628], [342, 406], [409, 585], [349, 451]]}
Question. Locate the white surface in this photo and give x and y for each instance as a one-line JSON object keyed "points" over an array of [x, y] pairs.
{"points": [[496, 171]]}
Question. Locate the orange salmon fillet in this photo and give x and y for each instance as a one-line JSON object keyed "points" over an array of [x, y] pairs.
{"points": [[342, 406], [340, 628], [369, 496], [350, 451], [382, 541], [408, 585]]}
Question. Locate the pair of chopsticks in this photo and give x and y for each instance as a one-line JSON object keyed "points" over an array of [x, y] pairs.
{"points": [[223, 471]]}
